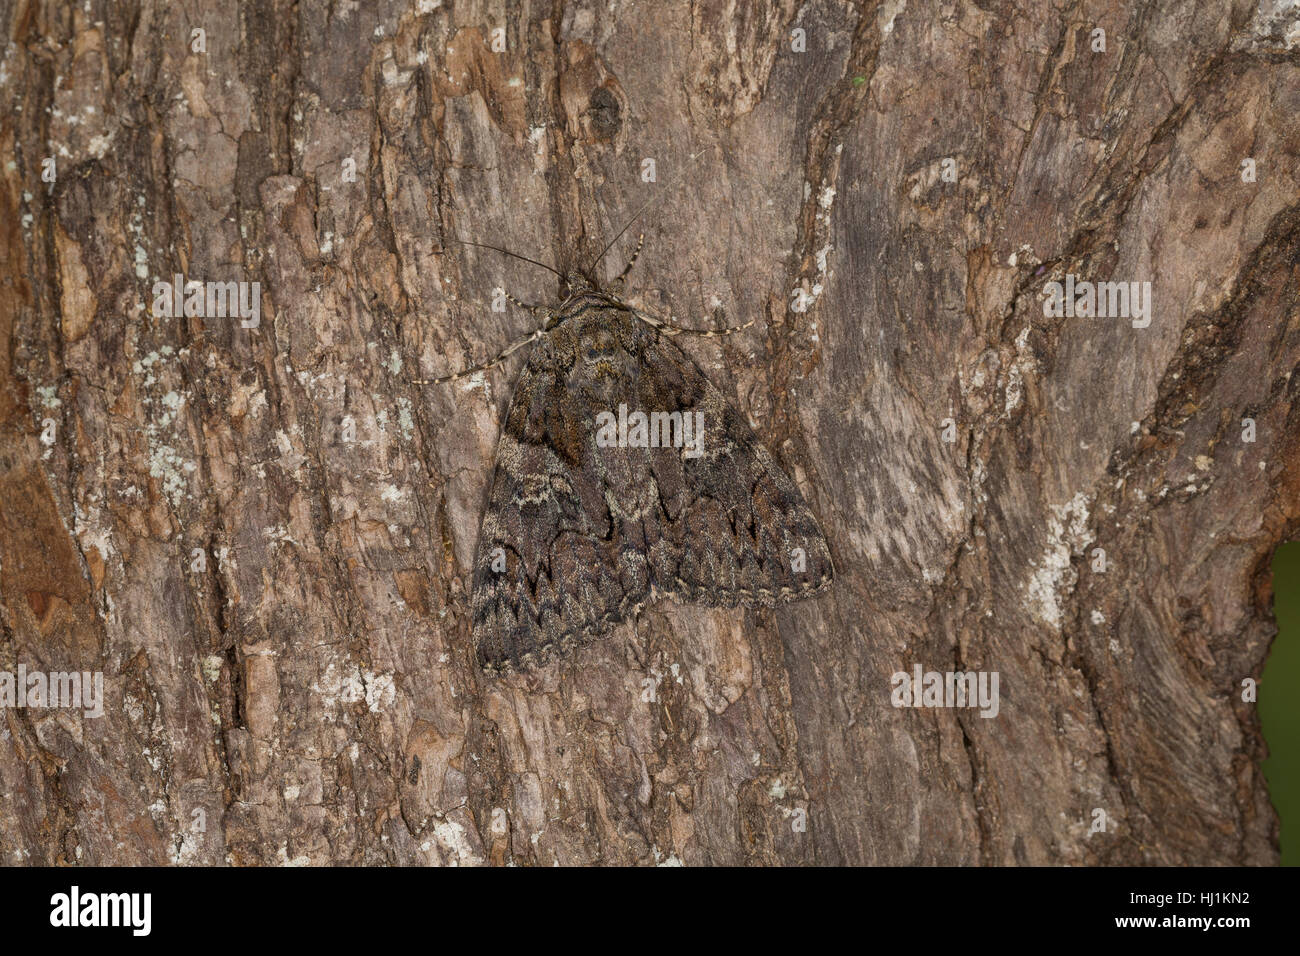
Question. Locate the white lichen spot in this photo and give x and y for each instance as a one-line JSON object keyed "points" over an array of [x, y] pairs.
{"points": [[451, 836], [822, 264], [98, 145], [887, 13], [1024, 364], [169, 467], [212, 668], [282, 854], [405, 418], [479, 380], [278, 534], [380, 691], [1053, 574], [1015, 393]]}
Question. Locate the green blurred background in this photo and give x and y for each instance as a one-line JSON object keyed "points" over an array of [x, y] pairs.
{"points": [[1278, 714]]}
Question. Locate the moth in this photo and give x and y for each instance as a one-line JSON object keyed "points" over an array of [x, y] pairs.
{"points": [[622, 473]]}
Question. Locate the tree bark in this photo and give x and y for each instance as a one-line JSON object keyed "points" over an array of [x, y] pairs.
{"points": [[262, 536]]}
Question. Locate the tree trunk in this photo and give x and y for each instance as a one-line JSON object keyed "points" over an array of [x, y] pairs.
{"points": [[261, 533]]}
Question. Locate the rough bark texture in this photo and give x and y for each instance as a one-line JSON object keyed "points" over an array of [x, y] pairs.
{"points": [[310, 686]]}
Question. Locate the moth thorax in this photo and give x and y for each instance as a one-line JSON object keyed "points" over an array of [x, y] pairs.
{"points": [[597, 343]]}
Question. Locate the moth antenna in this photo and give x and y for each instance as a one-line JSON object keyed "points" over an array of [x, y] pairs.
{"points": [[592, 271], [610, 245], [506, 252], [514, 347], [640, 240], [669, 329]]}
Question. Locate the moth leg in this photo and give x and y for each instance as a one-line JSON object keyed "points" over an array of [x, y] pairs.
{"points": [[707, 333], [534, 309], [532, 337], [669, 329]]}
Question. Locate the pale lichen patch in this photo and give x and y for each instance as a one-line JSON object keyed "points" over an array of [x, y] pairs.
{"points": [[1053, 574]]}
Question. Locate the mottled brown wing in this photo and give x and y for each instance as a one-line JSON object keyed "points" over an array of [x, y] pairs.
{"points": [[576, 535], [743, 533], [545, 573]]}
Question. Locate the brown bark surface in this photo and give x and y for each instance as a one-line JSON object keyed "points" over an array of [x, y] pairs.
{"points": [[310, 685]]}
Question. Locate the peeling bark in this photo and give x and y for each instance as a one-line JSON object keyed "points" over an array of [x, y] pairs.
{"points": [[305, 691]]}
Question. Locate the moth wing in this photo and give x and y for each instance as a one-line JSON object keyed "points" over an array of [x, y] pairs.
{"points": [[548, 572], [736, 530]]}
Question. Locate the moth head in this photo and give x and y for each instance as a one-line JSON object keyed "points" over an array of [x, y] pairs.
{"points": [[576, 282]]}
